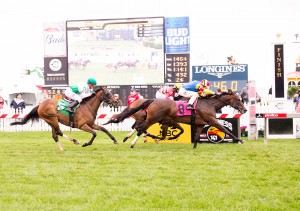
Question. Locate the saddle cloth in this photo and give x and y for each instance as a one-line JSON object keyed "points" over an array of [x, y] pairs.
{"points": [[62, 105]]}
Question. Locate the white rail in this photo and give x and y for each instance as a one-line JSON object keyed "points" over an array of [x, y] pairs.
{"points": [[104, 113]]}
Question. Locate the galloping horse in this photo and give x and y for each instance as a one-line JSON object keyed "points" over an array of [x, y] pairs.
{"points": [[129, 64], [165, 112], [79, 64], [139, 117], [84, 118]]}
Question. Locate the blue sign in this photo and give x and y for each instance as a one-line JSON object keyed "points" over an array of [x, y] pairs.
{"points": [[177, 35], [222, 76]]}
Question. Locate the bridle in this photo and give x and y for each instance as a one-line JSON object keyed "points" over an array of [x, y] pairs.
{"points": [[106, 96], [226, 102]]}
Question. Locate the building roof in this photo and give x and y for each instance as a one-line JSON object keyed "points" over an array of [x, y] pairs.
{"points": [[293, 75]]}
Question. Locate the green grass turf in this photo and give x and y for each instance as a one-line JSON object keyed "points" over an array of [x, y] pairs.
{"points": [[35, 175]]}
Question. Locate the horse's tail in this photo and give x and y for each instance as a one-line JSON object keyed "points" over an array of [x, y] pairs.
{"points": [[127, 112], [136, 109], [116, 118], [33, 116]]}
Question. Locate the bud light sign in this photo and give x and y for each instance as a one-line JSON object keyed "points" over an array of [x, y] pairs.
{"points": [[177, 35]]}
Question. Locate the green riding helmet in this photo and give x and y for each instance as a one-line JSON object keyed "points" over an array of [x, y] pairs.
{"points": [[92, 81]]}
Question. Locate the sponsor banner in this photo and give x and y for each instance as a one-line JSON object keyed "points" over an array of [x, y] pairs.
{"points": [[56, 71], [222, 76], [211, 134], [271, 115], [279, 71], [55, 39], [177, 35], [183, 138]]}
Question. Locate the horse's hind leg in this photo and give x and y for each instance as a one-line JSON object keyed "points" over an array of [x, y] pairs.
{"points": [[57, 130], [145, 137], [55, 137]]}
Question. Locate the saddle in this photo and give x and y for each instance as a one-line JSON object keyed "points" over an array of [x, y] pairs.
{"points": [[62, 106]]}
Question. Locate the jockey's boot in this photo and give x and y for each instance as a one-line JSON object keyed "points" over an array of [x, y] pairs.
{"points": [[190, 107], [191, 103], [72, 106]]}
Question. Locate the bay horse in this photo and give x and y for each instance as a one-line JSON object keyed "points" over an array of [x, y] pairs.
{"points": [[139, 117], [165, 112], [84, 118]]}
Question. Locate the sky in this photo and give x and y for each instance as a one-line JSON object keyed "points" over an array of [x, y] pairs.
{"points": [[218, 29]]}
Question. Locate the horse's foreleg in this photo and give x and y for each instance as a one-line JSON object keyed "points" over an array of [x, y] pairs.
{"points": [[129, 135], [136, 138], [134, 141], [139, 133], [98, 127], [70, 139], [220, 127], [197, 135]]}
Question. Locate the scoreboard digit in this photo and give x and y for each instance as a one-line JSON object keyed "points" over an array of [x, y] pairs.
{"points": [[177, 68]]}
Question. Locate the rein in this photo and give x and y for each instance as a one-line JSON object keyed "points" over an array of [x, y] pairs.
{"points": [[226, 103]]}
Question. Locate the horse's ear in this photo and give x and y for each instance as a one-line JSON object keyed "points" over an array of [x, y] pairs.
{"points": [[230, 91]]}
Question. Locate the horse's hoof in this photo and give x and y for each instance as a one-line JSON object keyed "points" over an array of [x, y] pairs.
{"points": [[131, 146], [75, 142], [125, 139], [242, 142], [84, 145], [116, 143]]}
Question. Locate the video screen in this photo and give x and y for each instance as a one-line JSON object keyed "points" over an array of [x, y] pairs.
{"points": [[116, 51]]}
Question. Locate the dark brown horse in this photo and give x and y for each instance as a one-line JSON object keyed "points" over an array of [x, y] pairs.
{"points": [[139, 117], [84, 118], [165, 112]]}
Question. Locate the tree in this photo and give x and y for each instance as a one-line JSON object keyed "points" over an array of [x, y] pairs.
{"points": [[292, 91]]}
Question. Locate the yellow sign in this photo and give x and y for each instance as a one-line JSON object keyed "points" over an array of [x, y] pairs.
{"points": [[183, 138]]}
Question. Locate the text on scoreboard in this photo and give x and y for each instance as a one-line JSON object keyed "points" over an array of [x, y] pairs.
{"points": [[222, 76]]}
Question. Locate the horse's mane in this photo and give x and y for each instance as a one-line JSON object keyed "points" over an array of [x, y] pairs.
{"points": [[84, 100], [229, 92]]}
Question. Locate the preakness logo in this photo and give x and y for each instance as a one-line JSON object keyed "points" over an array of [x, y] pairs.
{"points": [[55, 64], [214, 134], [220, 70]]}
